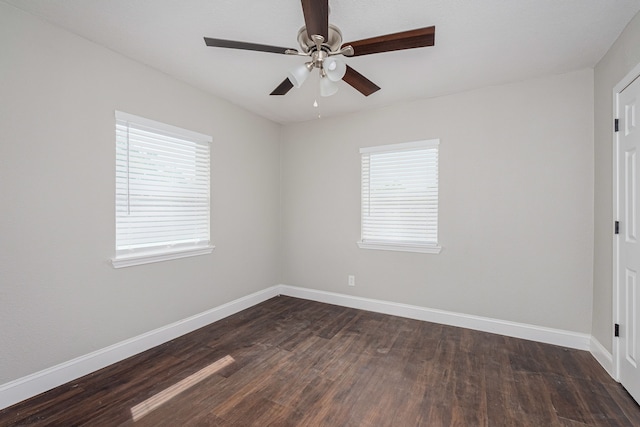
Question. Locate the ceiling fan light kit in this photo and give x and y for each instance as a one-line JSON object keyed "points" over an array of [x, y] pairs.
{"points": [[300, 73], [322, 42], [327, 87], [334, 69]]}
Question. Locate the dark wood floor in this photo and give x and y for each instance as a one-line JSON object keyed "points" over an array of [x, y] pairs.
{"points": [[291, 362]]}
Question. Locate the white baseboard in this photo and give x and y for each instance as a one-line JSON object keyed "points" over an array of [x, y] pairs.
{"points": [[39, 382], [502, 327], [602, 355]]}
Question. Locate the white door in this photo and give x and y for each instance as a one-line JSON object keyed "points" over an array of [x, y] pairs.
{"points": [[629, 238]]}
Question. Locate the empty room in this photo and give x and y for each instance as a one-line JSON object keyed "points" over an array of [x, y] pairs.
{"points": [[319, 213]]}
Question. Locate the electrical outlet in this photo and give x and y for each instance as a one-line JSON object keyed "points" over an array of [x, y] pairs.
{"points": [[352, 280]]}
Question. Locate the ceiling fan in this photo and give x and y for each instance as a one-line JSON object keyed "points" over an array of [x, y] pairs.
{"points": [[322, 43]]}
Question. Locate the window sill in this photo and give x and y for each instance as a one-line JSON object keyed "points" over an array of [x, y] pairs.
{"points": [[158, 256], [402, 247]]}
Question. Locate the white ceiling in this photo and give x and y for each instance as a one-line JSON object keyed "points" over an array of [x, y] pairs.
{"points": [[478, 43]]}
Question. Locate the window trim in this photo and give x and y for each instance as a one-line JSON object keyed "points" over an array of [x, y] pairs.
{"points": [[159, 256], [128, 258], [400, 247], [427, 248]]}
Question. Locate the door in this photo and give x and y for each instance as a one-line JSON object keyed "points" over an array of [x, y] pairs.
{"points": [[629, 238]]}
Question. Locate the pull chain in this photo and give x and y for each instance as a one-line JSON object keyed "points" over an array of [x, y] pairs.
{"points": [[315, 101]]}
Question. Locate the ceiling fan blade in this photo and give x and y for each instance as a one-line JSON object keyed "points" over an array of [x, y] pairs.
{"points": [[283, 88], [232, 44], [420, 37], [316, 17], [360, 82]]}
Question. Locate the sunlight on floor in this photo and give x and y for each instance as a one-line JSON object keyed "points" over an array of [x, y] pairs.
{"points": [[152, 403]]}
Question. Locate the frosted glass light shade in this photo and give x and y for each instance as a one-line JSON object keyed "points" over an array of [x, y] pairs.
{"points": [[299, 74], [327, 87], [334, 69]]}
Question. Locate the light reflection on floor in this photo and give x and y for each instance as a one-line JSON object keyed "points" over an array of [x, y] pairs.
{"points": [[152, 403]]}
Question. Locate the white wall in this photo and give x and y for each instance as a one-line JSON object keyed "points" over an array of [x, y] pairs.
{"points": [[623, 56], [516, 203], [59, 296]]}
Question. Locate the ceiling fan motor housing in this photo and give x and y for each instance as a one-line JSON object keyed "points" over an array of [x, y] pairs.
{"points": [[332, 44]]}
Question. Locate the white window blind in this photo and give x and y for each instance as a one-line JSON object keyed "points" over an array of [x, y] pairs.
{"points": [[162, 191], [400, 197]]}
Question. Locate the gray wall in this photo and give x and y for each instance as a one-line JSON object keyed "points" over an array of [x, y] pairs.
{"points": [[59, 296], [516, 203], [623, 56]]}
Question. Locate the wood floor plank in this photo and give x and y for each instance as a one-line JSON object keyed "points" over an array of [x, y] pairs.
{"points": [[503, 407], [292, 362], [567, 404]]}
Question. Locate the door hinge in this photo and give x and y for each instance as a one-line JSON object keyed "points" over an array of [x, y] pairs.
{"points": [[616, 330], [615, 125], [616, 227]]}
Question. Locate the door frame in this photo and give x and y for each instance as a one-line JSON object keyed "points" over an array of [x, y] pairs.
{"points": [[626, 81]]}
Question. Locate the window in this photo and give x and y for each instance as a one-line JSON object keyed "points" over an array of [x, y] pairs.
{"points": [[400, 197], [162, 192]]}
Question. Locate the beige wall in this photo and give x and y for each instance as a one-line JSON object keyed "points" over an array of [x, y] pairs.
{"points": [[516, 203], [59, 296], [623, 56]]}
